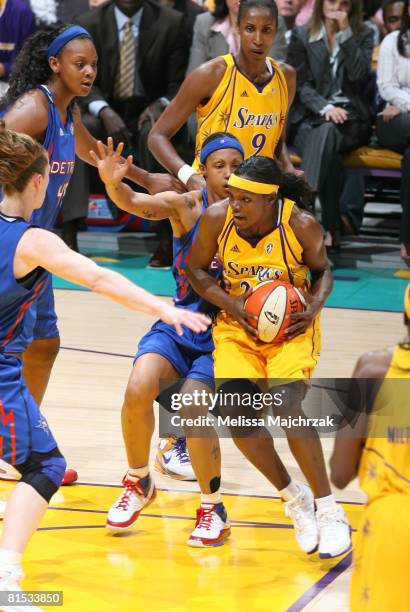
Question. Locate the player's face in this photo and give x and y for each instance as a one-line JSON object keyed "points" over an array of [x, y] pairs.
{"points": [[218, 168], [257, 30], [250, 211], [394, 15], [77, 66]]}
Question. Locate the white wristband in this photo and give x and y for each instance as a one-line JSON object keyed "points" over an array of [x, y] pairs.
{"points": [[185, 172]]}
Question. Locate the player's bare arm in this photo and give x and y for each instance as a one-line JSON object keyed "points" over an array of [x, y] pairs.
{"points": [[29, 115], [40, 247], [204, 250], [281, 152], [181, 210], [197, 87], [309, 234], [350, 439], [154, 183]]}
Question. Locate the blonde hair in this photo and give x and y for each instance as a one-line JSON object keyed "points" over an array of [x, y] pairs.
{"points": [[20, 158]]}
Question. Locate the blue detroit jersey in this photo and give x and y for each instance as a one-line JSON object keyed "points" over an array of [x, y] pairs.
{"points": [[60, 145], [185, 296], [15, 299]]}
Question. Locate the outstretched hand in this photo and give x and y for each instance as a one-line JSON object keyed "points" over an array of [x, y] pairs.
{"points": [[111, 166]]}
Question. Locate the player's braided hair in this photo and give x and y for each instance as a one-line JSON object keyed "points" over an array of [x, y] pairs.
{"points": [[245, 5], [31, 67], [20, 158], [266, 170]]}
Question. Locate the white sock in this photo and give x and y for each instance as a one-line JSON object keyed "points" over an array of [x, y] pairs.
{"points": [[135, 474], [290, 491], [211, 498], [325, 502], [9, 557]]}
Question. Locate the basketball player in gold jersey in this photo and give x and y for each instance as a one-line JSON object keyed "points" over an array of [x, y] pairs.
{"points": [[248, 96], [379, 450], [262, 235]]}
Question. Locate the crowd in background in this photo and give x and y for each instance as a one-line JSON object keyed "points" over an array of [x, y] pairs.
{"points": [[353, 79]]}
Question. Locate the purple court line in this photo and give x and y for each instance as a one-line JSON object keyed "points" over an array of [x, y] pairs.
{"points": [[78, 510], [80, 350], [71, 527], [100, 484], [321, 584], [237, 523]]}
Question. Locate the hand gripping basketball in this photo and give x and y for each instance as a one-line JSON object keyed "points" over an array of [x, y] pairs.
{"points": [[272, 303]]}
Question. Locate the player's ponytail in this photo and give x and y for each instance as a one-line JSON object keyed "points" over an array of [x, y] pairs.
{"points": [[266, 170], [20, 158], [297, 189]]}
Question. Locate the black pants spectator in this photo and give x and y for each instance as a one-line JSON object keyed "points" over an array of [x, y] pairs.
{"points": [[321, 147], [395, 135]]}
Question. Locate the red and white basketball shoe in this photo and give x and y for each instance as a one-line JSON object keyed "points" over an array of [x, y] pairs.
{"points": [[212, 526], [172, 459], [301, 509], [135, 496]]}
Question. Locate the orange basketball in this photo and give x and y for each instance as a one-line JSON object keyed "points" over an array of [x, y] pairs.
{"points": [[272, 302]]}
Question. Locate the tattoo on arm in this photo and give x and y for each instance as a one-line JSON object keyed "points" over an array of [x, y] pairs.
{"points": [[190, 202], [215, 452], [148, 215]]}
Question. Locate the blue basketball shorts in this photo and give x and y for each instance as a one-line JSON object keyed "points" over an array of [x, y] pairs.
{"points": [[190, 354], [40, 321], [23, 428]]}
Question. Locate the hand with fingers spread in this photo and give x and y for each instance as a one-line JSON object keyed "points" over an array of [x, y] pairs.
{"points": [[302, 320], [111, 167], [237, 310], [178, 317]]}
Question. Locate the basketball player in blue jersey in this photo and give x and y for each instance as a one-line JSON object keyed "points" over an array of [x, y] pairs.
{"points": [[164, 355], [28, 254], [50, 71]]}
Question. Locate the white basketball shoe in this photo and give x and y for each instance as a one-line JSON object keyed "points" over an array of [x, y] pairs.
{"points": [[10, 577], [212, 526], [301, 510], [334, 532], [135, 496], [172, 459]]}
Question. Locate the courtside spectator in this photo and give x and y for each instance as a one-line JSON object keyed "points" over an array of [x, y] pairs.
{"points": [[142, 58], [393, 126], [330, 116], [289, 10]]}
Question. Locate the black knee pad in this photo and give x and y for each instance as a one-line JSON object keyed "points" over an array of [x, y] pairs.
{"points": [[44, 472]]}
